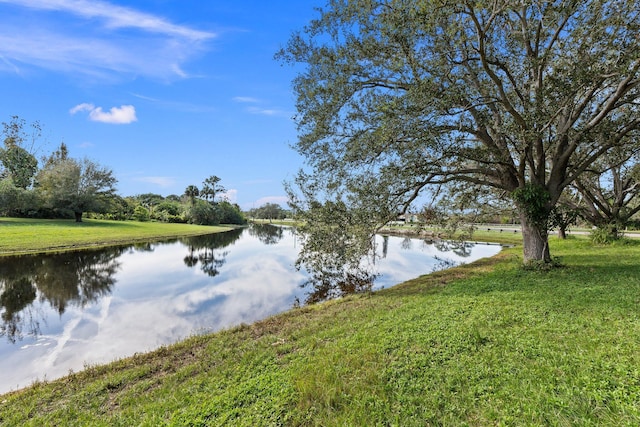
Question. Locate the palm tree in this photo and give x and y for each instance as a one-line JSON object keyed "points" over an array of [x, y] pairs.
{"points": [[210, 188], [192, 192]]}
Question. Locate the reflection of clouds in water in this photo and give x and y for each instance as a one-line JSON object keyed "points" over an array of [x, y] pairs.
{"points": [[405, 261], [157, 300], [145, 313], [259, 289]]}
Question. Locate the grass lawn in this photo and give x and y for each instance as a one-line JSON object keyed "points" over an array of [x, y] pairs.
{"points": [[483, 344], [19, 235]]}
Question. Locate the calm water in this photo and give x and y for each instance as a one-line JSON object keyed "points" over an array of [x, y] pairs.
{"points": [[61, 312]]}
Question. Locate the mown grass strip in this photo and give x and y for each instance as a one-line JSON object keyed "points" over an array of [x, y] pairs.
{"points": [[482, 344], [20, 236]]}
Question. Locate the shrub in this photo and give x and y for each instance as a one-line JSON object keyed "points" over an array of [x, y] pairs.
{"points": [[604, 235], [140, 213]]}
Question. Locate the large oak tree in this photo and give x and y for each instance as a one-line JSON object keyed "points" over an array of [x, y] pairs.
{"points": [[398, 96]]}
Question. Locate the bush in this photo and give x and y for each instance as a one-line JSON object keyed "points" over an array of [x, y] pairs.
{"points": [[230, 214], [604, 235], [140, 213], [203, 213]]}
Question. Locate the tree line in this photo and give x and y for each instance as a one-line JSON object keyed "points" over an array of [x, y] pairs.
{"points": [[59, 186]]}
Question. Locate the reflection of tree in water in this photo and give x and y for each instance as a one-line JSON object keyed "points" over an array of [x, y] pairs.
{"points": [[77, 278], [16, 298], [331, 283], [443, 264], [325, 286], [84, 278], [460, 248], [385, 246], [407, 243], [267, 233], [202, 250]]}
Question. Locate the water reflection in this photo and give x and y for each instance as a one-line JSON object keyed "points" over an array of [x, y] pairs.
{"points": [[203, 250], [268, 234], [77, 278], [61, 312]]}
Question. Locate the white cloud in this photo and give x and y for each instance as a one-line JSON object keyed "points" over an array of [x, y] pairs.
{"points": [[119, 40], [81, 107], [246, 99], [267, 111], [260, 110], [160, 181], [114, 16], [230, 195], [116, 115]]}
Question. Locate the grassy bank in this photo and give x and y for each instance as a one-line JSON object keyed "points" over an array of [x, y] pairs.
{"points": [[18, 236], [483, 344]]}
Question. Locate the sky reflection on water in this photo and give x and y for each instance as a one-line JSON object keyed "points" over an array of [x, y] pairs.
{"points": [[61, 312]]}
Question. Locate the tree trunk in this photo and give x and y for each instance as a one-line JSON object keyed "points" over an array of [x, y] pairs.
{"points": [[78, 216], [562, 233], [535, 240]]}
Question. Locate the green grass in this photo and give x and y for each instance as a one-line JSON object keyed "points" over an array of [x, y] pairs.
{"points": [[41, 235], [483, 344]]}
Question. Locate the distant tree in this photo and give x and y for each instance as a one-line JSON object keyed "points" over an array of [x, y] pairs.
{"points": [[149, 199], [564, 214], [202, 213], [169, 211], [61, 153], [15, 201], [19, 163], [269, 211], [211, 187], [610, 193], [230, 213], [120, 208], [78, 186], [140, 213], [172, 208], [191, 192]]}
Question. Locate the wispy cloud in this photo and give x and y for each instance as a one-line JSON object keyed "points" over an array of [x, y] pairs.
{"points": [[9, 65], [119, 39], [116, 115], [256, 109], [160, 181], [246, 99], [113, 16], [269, 112], [177, 105]]}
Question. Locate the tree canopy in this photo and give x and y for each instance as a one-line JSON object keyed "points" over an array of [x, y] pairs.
{"points": [[76, 185], [20, 165], [399, 96], [610, 192]]}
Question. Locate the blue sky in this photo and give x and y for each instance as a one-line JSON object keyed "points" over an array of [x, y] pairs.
{"points": [[164, 92]]}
